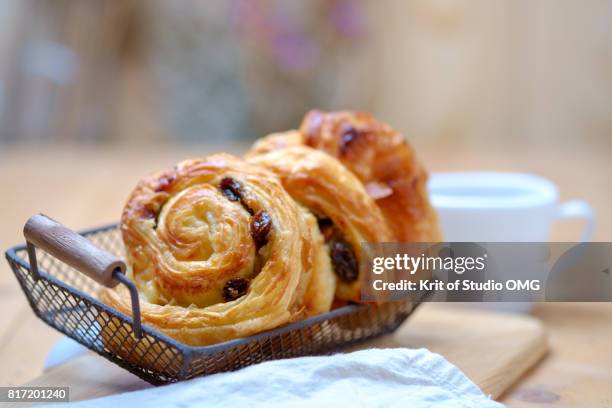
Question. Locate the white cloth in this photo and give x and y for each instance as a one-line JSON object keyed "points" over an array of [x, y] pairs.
{"points": [[367, 378]]}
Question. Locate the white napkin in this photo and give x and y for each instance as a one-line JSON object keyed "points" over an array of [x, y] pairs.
{"points": [[368, 378]]}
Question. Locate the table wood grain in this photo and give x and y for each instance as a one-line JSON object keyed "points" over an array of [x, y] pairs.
{"points": [[87, 186]]}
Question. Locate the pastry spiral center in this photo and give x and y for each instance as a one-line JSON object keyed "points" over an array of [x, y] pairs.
{"points": [[204, 241], [197, 223]]}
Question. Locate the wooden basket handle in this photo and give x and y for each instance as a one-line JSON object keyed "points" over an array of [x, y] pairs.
{"points": [[73, 249], [80, 253]]}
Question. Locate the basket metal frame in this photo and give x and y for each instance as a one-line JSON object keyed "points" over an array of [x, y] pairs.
{"points": [[40, 289]]}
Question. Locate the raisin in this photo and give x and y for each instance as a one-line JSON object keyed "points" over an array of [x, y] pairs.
{"points": [[261, 224], [164, 183], [344, 261], [235, 288], [148, 213], [231, 189], [349, 136], [324, 223], [327, 228]]}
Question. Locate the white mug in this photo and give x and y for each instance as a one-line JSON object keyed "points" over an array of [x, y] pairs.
{"points": [[498, 207], [502, 207]]}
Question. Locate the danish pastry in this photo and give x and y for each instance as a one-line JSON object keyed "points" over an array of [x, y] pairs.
{"points": [[380, 157], [222, 247], [347, 215], [218, 250]]}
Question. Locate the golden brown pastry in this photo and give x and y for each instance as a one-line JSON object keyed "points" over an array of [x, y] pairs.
{"points": [[347, 215], [222, 248], [380, 157], [218, 250]]}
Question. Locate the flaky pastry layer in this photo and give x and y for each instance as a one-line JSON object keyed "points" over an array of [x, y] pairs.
{"points": [[190, 230]]}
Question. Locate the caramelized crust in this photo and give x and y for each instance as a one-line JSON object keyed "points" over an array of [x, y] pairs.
{"points": [[206, 274], [321, 183], [222, 248], [381, 159]]}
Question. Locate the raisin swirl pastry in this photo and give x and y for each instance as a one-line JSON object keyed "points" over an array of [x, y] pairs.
{"points": [[379, 157], [347, 215], [218, 250]]}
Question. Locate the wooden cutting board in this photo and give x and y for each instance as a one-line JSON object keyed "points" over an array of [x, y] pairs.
{"points": [[492, 349]]}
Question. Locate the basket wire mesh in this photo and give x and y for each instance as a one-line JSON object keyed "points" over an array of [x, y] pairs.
{"points": [[66, 300]]}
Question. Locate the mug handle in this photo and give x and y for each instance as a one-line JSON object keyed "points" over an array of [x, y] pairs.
{"points": [[579, 209]]}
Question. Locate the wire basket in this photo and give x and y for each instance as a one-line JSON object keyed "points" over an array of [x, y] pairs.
{"points": [[66, 300]]}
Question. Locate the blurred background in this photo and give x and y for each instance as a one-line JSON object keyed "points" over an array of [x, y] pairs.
{"points": [[96, 94], [442, 71]]}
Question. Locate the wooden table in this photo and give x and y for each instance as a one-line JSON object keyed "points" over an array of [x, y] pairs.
{"points": [[86, 187]]}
